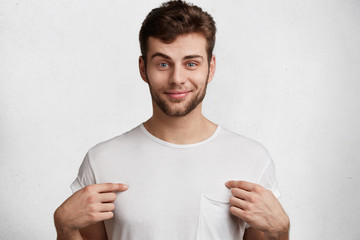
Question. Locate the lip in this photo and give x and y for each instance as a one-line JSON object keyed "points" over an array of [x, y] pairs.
{"points": [[177, 94]]}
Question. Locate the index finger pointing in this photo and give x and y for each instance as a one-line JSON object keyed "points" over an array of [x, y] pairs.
{"points": [[111, 187], [248, 186]]}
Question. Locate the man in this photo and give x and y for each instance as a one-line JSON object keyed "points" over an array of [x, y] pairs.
{"points": [[177, 175]]}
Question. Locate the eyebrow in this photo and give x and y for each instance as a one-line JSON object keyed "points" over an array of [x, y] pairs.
{"points": [[193, 56], [159, 54]]}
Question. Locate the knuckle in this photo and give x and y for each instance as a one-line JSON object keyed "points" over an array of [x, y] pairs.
{"points": [[258, 189], [89, 189], [237, 192], [92, 208], [110, 186], [92, 217], [255, 199], [247, 214], [249, 207], [240, 184], [91, 199], [251, 198]]}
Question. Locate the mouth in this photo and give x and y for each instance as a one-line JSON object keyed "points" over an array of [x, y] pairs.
{"points": [[178, 94]]}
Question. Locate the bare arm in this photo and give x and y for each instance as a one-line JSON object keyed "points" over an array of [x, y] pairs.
{"points": [[94, 232], [81, 216], [253, 234], [63, 232], [260, 208]]}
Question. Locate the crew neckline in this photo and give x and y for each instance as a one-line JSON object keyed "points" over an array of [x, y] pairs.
{"points": [[173, 145]]}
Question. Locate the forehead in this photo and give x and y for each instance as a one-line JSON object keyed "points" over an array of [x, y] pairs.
{"points": [[183, 45]]}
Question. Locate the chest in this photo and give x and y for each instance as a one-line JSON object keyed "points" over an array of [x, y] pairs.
{"points": [[175, 194], [170, 189]]}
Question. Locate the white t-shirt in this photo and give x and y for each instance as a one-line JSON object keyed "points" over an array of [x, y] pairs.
{"points": [[176, 191]]}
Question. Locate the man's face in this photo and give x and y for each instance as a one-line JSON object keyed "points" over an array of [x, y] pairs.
{"points": [[177, 73]]}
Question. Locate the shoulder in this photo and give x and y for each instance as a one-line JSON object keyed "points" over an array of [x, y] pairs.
{"points": [[126, 140], [252, 156], [237, 141]]}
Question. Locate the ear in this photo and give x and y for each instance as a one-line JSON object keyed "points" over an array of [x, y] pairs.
{"points": [[212, 67], [142, 69]]}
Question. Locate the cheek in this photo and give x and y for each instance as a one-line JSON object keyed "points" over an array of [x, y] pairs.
{"points": [[157, 77], [199, 77]]}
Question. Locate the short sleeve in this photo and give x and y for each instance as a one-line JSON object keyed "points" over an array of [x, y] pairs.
{"points": [[85, 175], [268, 179]]}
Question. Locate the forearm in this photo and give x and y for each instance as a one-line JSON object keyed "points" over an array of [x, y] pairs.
{"points": [[63, 232], [283, 234], [73, 235]]}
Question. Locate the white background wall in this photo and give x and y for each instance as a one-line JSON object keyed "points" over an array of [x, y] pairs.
{"points": [[287, 76]]}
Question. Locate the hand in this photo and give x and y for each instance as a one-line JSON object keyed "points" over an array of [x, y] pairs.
{"points": [[89, 205], [258, 207]]}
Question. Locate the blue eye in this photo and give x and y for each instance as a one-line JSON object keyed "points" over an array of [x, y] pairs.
{"points": [[164, 65], [191, 64]]}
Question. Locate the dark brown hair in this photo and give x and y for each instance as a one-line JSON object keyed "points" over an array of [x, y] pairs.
{"points": [[174, 18]]}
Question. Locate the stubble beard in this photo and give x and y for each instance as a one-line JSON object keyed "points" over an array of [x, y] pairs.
{"points": [[181, 110]]}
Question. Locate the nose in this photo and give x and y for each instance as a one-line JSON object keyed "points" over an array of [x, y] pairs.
{"points": [[177, 76]]}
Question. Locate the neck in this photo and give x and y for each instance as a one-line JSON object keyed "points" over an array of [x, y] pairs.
{"points": [[189, 129]]}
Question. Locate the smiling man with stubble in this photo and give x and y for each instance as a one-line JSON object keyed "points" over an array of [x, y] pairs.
{"points": [[177, 175]]}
